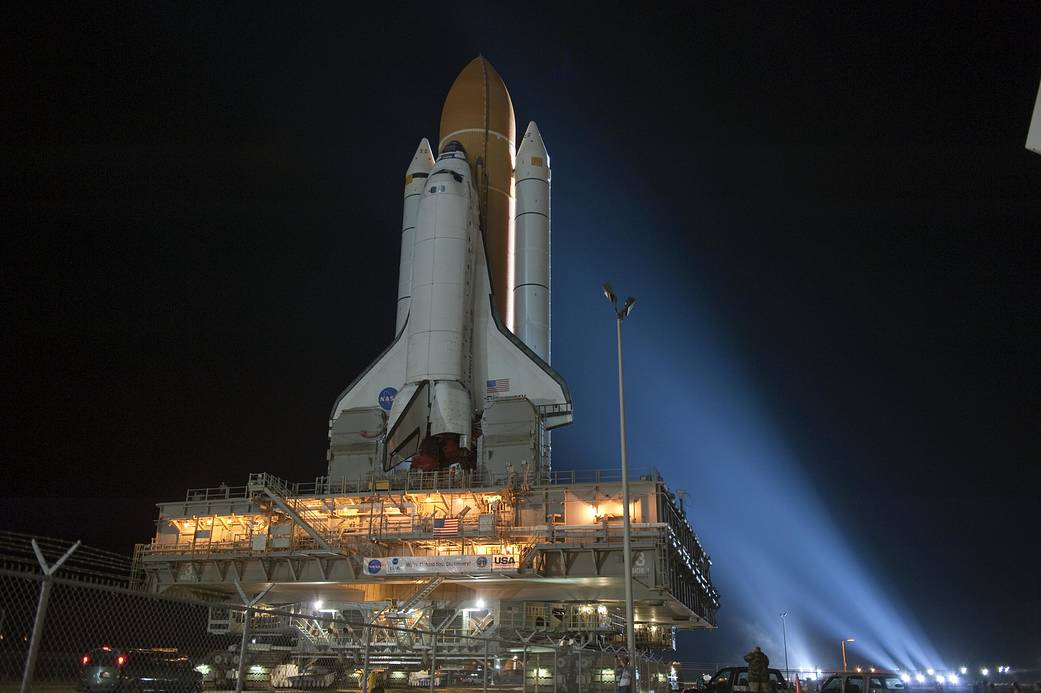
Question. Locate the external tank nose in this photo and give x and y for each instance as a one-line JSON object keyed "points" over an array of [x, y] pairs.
{"points": [[478, 114], [478, 106]]}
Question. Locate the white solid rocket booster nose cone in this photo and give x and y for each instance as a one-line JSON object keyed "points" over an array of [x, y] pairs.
{"points": [[532, 143], [415, 180], [531, 257], [423, 160]]}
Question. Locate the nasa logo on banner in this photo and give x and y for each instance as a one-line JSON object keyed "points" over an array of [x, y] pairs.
{"points": [[482, 562], [375, 566], [386, 398]]}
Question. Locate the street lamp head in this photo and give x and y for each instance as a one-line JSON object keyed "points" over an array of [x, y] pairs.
{"points": [[627, 308], [609, 294], [783, 614], [850, 640]]}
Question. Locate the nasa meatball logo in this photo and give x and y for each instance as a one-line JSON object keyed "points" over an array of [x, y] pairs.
{"points": [[375, 565], [386, 398], [482, 562]]}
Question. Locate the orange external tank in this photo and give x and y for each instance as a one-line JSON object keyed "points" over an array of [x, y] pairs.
{"points": [[478, 112]]}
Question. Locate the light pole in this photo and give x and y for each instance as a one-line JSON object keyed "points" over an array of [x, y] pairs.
{"points": [[627, 547], [784, 632], [843, 643]]}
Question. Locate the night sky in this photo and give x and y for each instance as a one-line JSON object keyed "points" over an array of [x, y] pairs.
{"points": [[827, 216]]}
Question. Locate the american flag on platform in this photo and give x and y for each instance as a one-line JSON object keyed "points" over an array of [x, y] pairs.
{"points": [[446, 526], [500, 385]]}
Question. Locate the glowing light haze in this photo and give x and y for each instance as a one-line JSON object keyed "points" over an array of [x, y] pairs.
{"points": [[695, 416]]}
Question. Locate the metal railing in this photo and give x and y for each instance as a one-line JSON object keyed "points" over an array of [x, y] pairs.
{"points": [[411, 480], [357, 542]]}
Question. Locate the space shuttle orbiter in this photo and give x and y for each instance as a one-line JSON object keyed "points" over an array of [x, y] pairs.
{"points": [[467, 378]]}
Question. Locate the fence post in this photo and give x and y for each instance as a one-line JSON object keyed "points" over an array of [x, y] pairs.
{"points": [[578, 679], [364, 683], [41, 611], [524, 678], [247, 617], [556, 667], [433, 657], [240, 679], [484, 688]]}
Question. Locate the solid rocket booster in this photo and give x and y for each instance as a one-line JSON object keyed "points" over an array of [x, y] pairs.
{"points": [[415, 180], [531, 276], [427, 398]]}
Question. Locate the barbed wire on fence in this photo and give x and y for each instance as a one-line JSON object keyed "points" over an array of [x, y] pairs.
{"points": [[85, 563]]}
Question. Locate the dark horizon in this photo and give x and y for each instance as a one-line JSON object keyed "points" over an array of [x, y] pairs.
{"points": [[828, 218]]}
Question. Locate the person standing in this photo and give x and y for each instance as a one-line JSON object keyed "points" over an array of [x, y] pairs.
{"points": [[758, 671], [621, 675], [372, 683]]}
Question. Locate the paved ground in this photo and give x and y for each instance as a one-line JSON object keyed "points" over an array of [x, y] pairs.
{"points": [[71, 688]]}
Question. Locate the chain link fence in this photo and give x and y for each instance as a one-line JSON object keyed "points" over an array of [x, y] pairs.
{"points": [[78, 624]]}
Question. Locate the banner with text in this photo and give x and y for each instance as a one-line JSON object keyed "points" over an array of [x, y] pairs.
{"points": [[437, 565]]}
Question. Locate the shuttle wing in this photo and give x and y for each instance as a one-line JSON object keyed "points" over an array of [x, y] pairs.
{"points": [[509, 367], [386, 372]]}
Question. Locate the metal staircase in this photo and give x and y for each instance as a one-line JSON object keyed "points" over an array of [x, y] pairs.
{"points": [[313, 630], [527, 554], [277, 490], [422, 593]]}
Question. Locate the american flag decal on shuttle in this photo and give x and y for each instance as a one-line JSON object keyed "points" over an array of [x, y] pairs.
{"points": [[500, 385]]}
